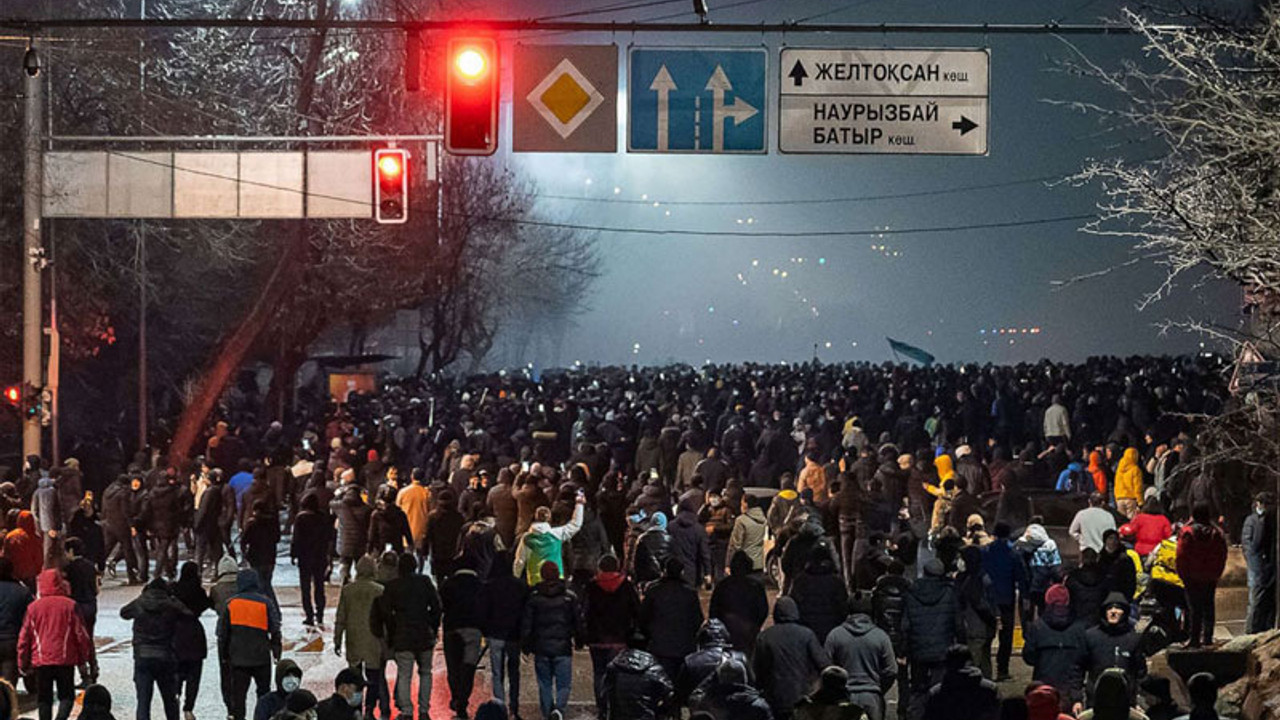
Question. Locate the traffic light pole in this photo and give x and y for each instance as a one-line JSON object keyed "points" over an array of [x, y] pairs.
{"points": [[33, 260]]}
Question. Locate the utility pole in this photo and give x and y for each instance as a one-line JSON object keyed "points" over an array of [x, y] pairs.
{"points": [[33, 259]]}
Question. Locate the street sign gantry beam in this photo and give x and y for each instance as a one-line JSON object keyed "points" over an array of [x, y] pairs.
{"points": [[508, 26]]}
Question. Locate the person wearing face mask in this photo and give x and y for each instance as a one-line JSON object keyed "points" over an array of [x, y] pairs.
{"points": [[1258, 538], [288, 679], [347, 697]]}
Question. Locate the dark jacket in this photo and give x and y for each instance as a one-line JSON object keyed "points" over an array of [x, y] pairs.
{"points": [[740, 602], [1258, 540], [388, 525], [189, 642], [444, 530], [407, 614], [249, 625], [155, 615], [635, 687], [275, 701], [889, 606], [1088, 588], [963, 694], [551, 620], [14, 599], [115, 509], [1119, 573], [689, 545], [820, 596], [670, 616], [336, 707], [612, 608], [462, 597], [505, 598], [700, 665], [85, 526], [1007, 572], [1055, 649], [733, 701], [866, 654], [260, 539], [1114, 646], [165, 510], [503, 503], [353, 525], [788, 658], [651, 553], [312, 537], [209, 512], [931, 621]]}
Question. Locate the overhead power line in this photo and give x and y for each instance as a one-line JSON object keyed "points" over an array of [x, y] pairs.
{"points": [[875, 232], [807, 201]]}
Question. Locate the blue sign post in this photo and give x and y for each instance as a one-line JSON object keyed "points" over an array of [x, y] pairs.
{"points": [[696, 101]]}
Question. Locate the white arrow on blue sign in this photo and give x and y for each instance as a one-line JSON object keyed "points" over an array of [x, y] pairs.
{"points": [[683, 100]]}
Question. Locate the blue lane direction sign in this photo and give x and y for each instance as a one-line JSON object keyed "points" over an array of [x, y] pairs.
{"points": [[685, 100]]}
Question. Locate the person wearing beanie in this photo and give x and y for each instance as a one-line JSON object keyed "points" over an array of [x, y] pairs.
{"points": [[1055, 648], [1113, 643], [95, 706], [544, 543], [634, 686], [1043, 703], [930, 624], [1111, 699], [611, 608], [830, 701], [787, 660], [670, 617], [549, 630], [864, 654], [407, 617]]}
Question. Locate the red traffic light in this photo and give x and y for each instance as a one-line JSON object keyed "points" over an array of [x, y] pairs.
{"points": [[389, 166], [391, 186], [471, 96], [13, 395]]}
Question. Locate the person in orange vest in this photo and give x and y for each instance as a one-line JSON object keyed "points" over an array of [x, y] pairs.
{"points": [[249, 640]]}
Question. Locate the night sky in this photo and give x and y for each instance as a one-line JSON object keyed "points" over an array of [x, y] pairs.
{"points": [[694, 299]]}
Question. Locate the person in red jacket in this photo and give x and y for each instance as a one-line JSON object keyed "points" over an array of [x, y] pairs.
{"points": [[1202, 555], [52, 644], [25, 549], [1149, 528]]}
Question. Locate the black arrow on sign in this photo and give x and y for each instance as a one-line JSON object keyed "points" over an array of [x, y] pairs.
{"points": [[964, 125], [798, 74]]}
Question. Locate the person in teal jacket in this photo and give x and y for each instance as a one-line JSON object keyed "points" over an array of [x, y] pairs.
{"points": [[544, 543]]}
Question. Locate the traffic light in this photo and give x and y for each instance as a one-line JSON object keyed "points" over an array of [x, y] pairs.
{"points": [[13, 396], [391, 185], [471, 97]]}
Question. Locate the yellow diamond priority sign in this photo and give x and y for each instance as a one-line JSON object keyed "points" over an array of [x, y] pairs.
{"points": [[565, 98]]}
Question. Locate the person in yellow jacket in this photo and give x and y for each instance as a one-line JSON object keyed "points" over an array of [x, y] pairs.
{"points": [[1128, 487], [1166, 587], [944, 491]]}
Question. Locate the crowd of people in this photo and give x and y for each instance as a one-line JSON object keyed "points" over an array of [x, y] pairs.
{"points": [[898, 512]]}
